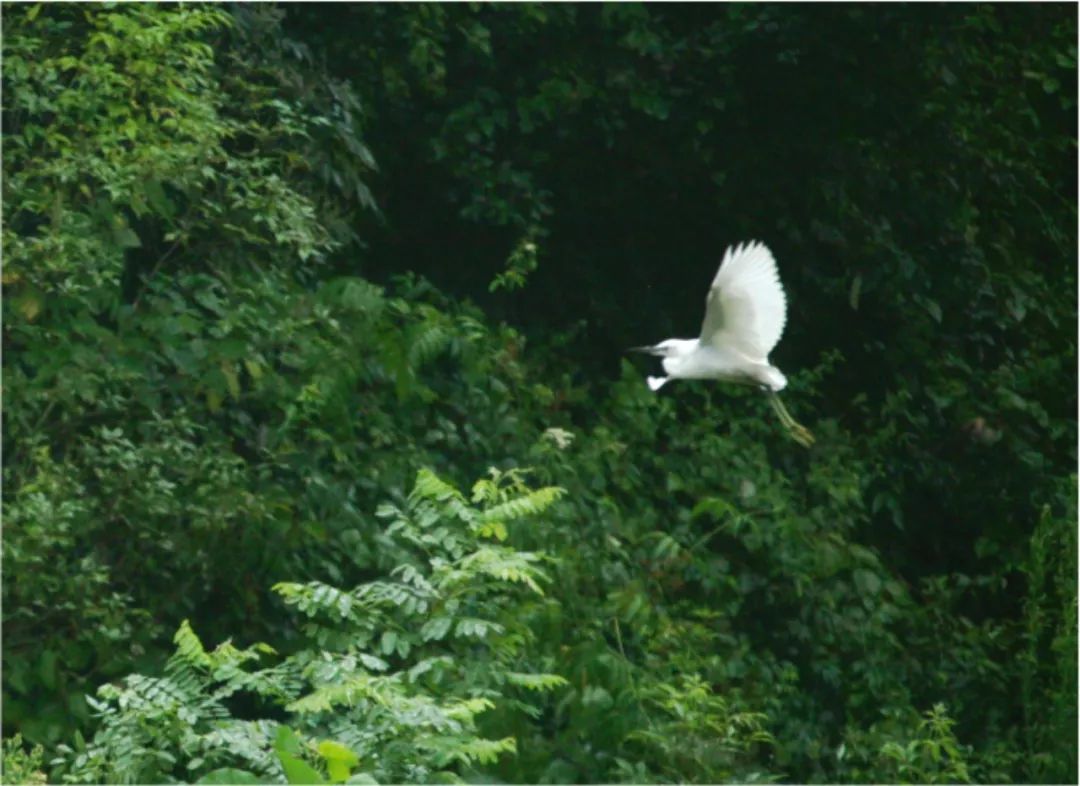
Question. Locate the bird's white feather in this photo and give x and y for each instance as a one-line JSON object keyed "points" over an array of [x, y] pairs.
{"points": [[746, 308]]}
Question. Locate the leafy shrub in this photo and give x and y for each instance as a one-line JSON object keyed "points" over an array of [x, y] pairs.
{"points": [[20, 765], [393, 677], [907, 749], [131, 158]]}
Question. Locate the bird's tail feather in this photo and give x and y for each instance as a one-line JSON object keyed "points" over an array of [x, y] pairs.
{"points": [[655, 383], [774, 378]]}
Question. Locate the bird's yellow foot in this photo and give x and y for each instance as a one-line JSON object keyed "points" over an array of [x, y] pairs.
{"points": [[801, 434], [797, 431]]}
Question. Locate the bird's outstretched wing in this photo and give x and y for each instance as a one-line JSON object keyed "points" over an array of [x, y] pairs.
{"points": [[746, 307]]}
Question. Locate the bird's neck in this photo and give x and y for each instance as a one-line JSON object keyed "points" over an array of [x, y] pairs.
{"points": [[683, 346]]}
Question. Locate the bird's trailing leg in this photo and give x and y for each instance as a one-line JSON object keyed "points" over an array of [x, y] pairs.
{"points": [[798, 432]]}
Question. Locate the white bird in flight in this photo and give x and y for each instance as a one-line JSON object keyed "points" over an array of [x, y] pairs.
{"points": [[745, 312]]}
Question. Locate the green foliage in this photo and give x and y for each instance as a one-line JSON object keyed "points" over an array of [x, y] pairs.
{"points": [[20, 765], [390, 686], [151, 726], [926, 233], [224, 365], [908, 749], [1049, 656], [697, 737], [155, 207], [522, 262], [933, 757]]}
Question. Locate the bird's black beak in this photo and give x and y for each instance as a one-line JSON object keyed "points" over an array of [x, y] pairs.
{"points": [[646, 350]]}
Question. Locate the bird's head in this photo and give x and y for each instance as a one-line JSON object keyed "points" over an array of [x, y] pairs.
{"points": [[668, 348]]}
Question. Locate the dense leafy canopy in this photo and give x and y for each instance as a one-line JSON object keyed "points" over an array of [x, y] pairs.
{"points": [[280, 282]]}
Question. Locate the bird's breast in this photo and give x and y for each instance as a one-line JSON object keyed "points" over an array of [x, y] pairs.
{"points": [[710, 363]]}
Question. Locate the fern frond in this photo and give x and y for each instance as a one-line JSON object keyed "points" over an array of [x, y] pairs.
{"points": [[436, 628], [473, 628], [378, 594], [428, 341], [468, 708], [348, 693], [499, 562], [493, 529], [411, 575], [429, 487], [189, 649], [429, 665], [250, 741], [531, 504], [448, 749], [315, 598], [278, 683], [154, 693], [356, 294], [538, 683]]}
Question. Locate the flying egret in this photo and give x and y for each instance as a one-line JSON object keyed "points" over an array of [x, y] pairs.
{"points": [[745, 312]]}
